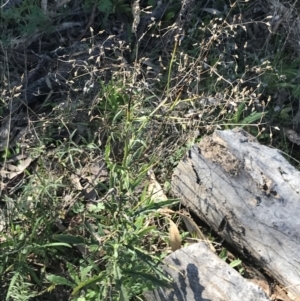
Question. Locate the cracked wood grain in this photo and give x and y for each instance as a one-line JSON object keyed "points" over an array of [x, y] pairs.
{"points": [[250, 195]]}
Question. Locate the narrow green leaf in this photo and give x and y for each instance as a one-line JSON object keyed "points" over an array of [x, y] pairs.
{"points": [[123, 294], [117, 272], [11, 285], [238, 113], [223, 254], [58, 280], [34, 276], [235, 263], [253, 117], [117, 115], [146, 230], [87, 283], [91, 146], [69, 239], [36, 225], [56, 244], [107, 152], [154, 206]]}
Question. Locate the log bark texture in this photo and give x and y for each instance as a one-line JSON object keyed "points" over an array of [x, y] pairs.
{"points": [[250, 195], [200, 275]]}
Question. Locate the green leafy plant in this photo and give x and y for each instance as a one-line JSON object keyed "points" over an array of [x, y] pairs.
{"points": [[27, 18], [118, 225], [108, 7], [236, 263]]}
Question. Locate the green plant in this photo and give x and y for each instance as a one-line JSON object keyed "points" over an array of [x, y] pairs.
{"points": [[242, 117], [108, 7], [236, 263], [282, 75], [26, 245], [20, 289], [114, 235], [26, 18], [118, 227]]}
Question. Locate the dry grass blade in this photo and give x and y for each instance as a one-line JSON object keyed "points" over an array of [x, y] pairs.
{"points": [[155, 191], [166, 211], [175, 239], [136, 14], [194, 230]]}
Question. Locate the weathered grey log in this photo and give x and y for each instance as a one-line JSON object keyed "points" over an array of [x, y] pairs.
{"points": [[250, 195], [201, 275]]}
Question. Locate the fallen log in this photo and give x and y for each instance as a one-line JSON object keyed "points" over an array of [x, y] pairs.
{"points": [[201, 275], [250, 195]]}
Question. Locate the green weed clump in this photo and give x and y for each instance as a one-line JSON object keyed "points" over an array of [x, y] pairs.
{"points": [[106, 252]]}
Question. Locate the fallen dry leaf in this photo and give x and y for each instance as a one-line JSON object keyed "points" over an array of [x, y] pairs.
{"points": [[155, 191], [175, 239], [195, 231]]}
